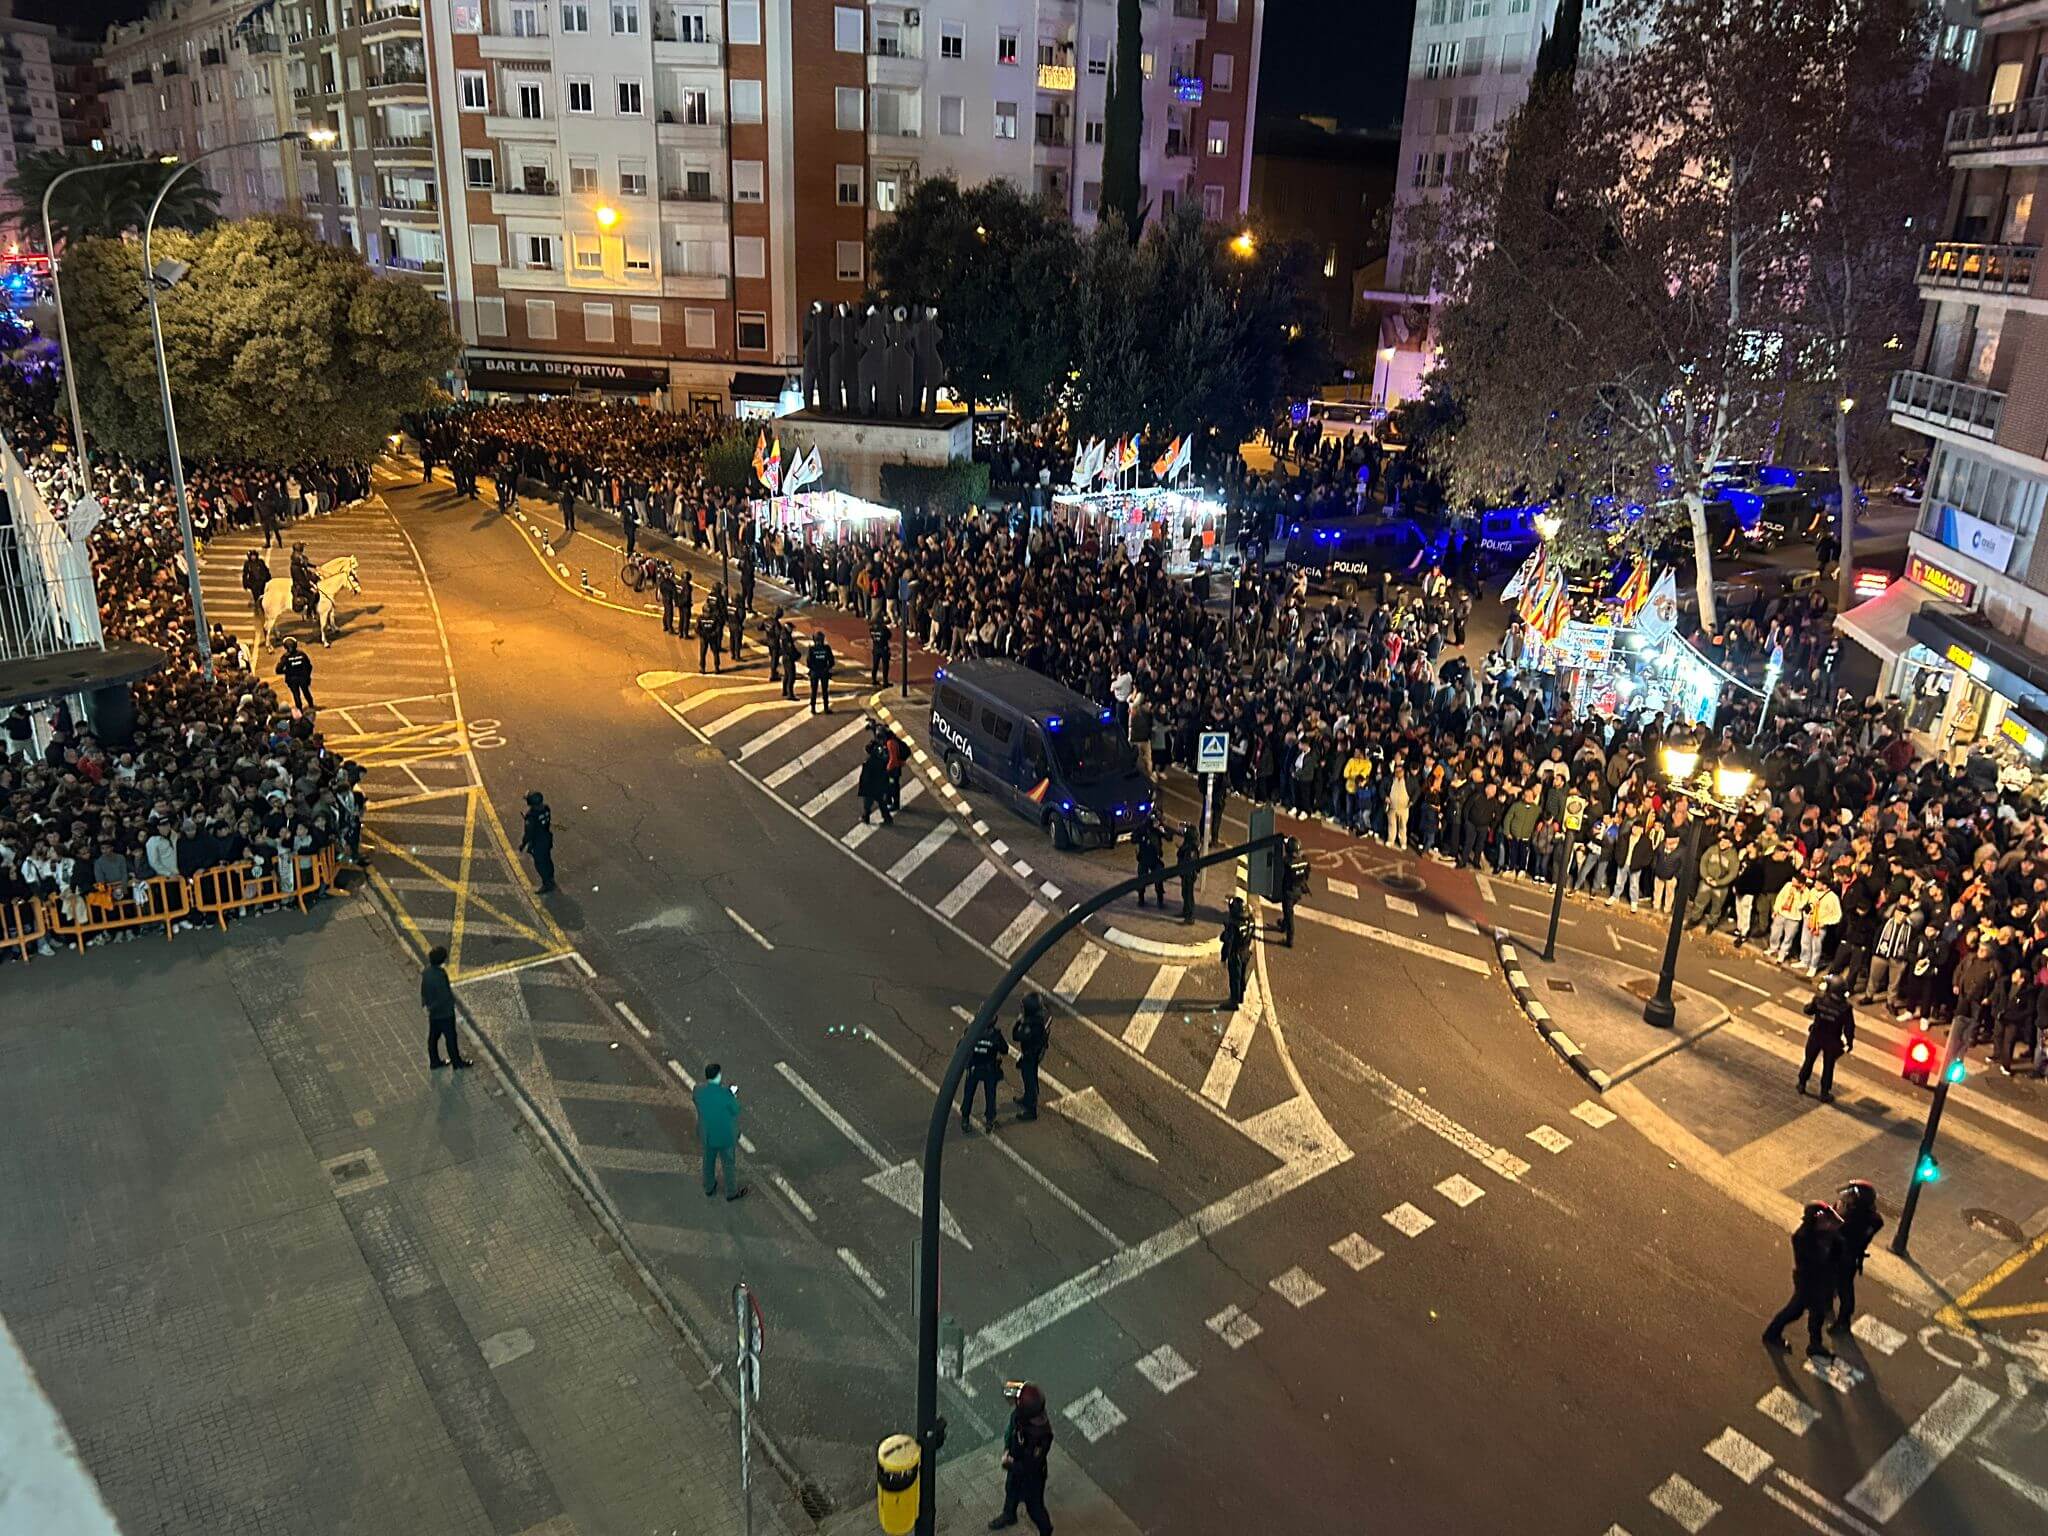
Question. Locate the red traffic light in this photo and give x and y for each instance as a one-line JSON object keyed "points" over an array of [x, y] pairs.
{"points": [[1921, 1059]]}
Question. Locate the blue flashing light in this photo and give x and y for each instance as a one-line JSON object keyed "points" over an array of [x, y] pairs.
{"points": [[1108, 715], [1066, 805], [1777, 474], [940, 674], [1052, 722]]}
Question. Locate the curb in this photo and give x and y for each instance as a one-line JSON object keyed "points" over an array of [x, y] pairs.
{"points": [[1555, 1038]]}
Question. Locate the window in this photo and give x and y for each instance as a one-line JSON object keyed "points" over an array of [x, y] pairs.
{"points": [[1006, 46], [1445, 106], [1457, 13], [476, 91], [952, 40], [746, 101], [753, 331], [1468, 113], [597, 322], [749, 256], [1452, 53], [1092, 131], [697, 184], [887, 193], [1226, 11], [1212, 202], [1518, 7], [1222, 71], [625, 18], [852, 260], [490, 317], [540, 319], [743, 22], [480, 172], [1006, 119], [575, 16], [540, 252], [1098, 56], [1219, 137], [526, 21], [1330, 262], [529, 99], [589, 254], [646, 320], [746, 181], [639, 257], [633, 178], [1436, 170], [852, 182], [629, 98], [1419, 177], [696, 105], [689, 26], [1479, 10], [483, 245], [1475, 55], [1146, 63], [1091, 196], [848, 33], [700, 329], [1514, 52], [577, 89], [951, 117], [849, 108], [582, 173], [1432, 61]]}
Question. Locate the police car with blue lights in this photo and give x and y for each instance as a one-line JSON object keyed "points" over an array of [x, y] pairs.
{"points": [[1345, 554]]}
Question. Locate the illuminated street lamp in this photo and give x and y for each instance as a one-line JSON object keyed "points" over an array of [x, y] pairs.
{"points": [[1244, 244], [1547, 524], [1726, 789]]}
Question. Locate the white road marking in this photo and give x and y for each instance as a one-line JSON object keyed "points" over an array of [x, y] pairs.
{"points": [[1739, 1454], [837, 1121], [903, 1185], [1080, 970], [803, 1206], [576, 959], [1095, 1415], [922, 849], [1737, 981], [681, 1072], [1088, 1108], [1840, 1516], [1342, 888], [1397, 940], [1297, 1287], [1595, 1115], [1409, 1220], [773, 734], [1049, 891], [748, 929], [2033, 1493], [1228, 1061], [817, 754], [860, 1273], [1459, 1190], [634, 1019], [1878, 1334], [969, 887], [1461, 924], [1837, 1373], [858, 833], [1549, 1139], [1392, 1094], [1807, 1516], [1619, 939], [1012, 938], [1402, 905], [724, 691], [1485, 887], [831, 792], [1145, 1017], [1685, 1504], [1165, 1369], [1915, 1455], [1543, 913], [727, 721], [1355, 1251], [1023, 870], [1787, 1411], [1234, 1327]]}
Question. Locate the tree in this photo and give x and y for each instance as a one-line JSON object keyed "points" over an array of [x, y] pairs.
{"points": [[1000, 269], [1112, 382], [280, 347], [1123, 128], [107, 202]]}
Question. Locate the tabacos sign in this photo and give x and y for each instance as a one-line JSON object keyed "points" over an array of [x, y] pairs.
{"points": [[1942, 583]]}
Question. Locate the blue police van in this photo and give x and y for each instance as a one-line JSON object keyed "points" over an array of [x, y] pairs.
{"points": [[1046, 751]]}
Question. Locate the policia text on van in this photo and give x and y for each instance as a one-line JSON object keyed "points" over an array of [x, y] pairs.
{"points": [[1049, 752]]}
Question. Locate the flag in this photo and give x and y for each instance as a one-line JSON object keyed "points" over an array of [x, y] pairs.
{"points": [[1184, 459], [1634, 595], [771, 472], [1080, 469], [1162, 467], [1097, 450], [1105, 463], [1127, 454], [803, 470], [1534, 585], [1660, 615], [761, 457], [1531, 569], [1554, 609]]}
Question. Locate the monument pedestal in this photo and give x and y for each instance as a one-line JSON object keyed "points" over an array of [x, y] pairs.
{"points": [[853, 450]]}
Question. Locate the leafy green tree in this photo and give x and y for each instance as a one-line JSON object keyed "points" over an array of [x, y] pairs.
{"points": [[729, 461], [1123, 128], [106, 202], [1000, 269], [280, 346]]}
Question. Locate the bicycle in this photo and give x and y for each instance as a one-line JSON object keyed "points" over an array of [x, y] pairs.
{"points": [[640, 571]]}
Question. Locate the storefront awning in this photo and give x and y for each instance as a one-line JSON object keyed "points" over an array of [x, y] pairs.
{"points": [[758, 386], [1880, 625], [1966, 641]]}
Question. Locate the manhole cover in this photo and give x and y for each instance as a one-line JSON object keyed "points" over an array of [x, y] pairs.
{"points": [[816, 1501], [1400, 882], [1559, 984], [1992, 1221], [351, 1170]]}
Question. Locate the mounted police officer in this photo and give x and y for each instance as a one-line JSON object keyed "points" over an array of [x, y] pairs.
{"points": [[305, 583], [984, 1071], [1032, 1035], [1237, 948]]}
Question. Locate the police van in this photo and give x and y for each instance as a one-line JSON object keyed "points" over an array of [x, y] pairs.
{"points": [[1049, 753], [1353, 552]]}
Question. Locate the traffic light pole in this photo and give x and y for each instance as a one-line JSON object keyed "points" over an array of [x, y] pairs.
{"points": [[931, 1429], [1923, 1160]]}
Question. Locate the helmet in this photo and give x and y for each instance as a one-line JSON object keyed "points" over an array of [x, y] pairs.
{"points": [[1857, 1194], [534, 797], [1034, 1006]]}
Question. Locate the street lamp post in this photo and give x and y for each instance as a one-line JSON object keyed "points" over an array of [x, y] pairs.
{"points": [[1730, 786], [163, 373]]}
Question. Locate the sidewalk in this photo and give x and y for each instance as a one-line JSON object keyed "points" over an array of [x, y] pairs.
{"points": [[276, 1275], [971, 1494]]}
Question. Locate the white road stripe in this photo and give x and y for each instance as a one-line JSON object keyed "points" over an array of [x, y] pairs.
{"points": [[1787, 1411], [1685, 1504], [1914, 1456], [826, 796], [775, 733], [1145, 1018], [1737, 981], [1402, 905], [1341, 888], [1079, 971], [1461, 924], [837, 1121], [969, 887], [1814, 1496], [922, 849], [1012, 938], [1485, 887], [681, 1073], [748, 929], [860, 1273], [1228, 1061], [633, 1019], [726, 722], [1739, 1454], [803, 1206], [819, 753], [1397, 940]]}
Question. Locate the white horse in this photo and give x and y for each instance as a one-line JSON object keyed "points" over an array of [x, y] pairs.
{"points": [[333, 576]]}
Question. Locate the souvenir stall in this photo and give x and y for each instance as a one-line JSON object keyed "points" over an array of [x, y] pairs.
{"points": [[1186, 527], [814, 517]]}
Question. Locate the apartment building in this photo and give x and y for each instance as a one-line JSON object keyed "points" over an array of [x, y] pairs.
{"points": [[51, 89], [647, 195], [1964, 639]]}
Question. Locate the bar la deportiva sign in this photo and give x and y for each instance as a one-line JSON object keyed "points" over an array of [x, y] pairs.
{"points": [[559, 373]]}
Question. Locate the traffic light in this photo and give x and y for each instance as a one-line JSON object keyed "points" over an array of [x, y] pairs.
{"points": [[1927, 1170], [1921, 1058], [1954, 1072]]}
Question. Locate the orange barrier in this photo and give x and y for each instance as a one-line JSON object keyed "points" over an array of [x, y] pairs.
{"points": [[233, 888], [111, 908], [22, 923]]}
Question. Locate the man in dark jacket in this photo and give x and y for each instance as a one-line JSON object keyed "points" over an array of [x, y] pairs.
{"points": [[1976, 980], [711, 631], [1027, 1446], [818, 664], [296, 668], [878, 648], [984, 1071], [1237, 949], [1832, 1032], [1816, 1247], [874, 781], [255, 577], [537, 837], [1032, 1035], [1150, 847], [1861, 1222], [438, 998]]}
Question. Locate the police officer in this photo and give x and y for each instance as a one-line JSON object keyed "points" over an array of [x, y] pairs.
{"points": [[747, 578], [1237, 948], [255, 577], [818, 664], [537, 837], [305, 582], [1815, 1249], [1190, 849], [629, 524], [1031, 1035], [736, 628], [878, 646], [296, 668], [771, 634], [711, 631], [1151, 860], [665, 583], [1293, 886], [568, 506], [686, 600], [1861, 1222], [1829, 1036], [984, 1071]]}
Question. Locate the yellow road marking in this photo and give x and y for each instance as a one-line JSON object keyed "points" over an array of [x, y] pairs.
{"points": [[505, 966], [399, 802], [457, 891], [1953, 1315], [2022, 1309], [462, 878]]}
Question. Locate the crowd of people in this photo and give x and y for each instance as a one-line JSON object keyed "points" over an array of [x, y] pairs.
{"points": [[213, 772]]}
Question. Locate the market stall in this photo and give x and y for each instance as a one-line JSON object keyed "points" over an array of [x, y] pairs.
{"points": [[1186, 526], [813, 517]]}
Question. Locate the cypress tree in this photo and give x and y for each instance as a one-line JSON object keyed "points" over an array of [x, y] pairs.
{"points": [[1124, 123]]}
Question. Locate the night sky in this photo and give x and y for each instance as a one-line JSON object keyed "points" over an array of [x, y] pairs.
{"points": [[1346, 59]]}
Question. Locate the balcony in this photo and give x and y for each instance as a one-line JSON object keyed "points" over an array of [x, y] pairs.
{"points": [[408, 202], [392, 77], [395, 18], [504, 43], [516, 201], [672, 128], [1190, 10], [696, 285], [263, 42], [519, 127], [2003, 269], [1051, 135], [1179, 147], [2022, 126], [421, 265], [705, 52], [1056, 77], [1921, 399], [402, 146]]}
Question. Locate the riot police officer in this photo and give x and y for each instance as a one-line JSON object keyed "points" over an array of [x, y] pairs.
{"points": [[686, 600], [736, 628], [1031, 1035], [1861, 1222], [665, 583], [1829, 1036], [537, 837], [1237, 948], [711, 631], [1816, 1247], [819, 664], [1293, 886], [984, 1071], [1190, 849], [1151, 860], [878, 646]]}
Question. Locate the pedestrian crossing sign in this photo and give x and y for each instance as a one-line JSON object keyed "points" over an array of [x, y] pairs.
{"points": [[1212, 754]]}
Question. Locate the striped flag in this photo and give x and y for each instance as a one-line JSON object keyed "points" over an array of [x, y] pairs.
{"points": [[1634, 594], [761, 457], [1162, 467], [1531, 570]]}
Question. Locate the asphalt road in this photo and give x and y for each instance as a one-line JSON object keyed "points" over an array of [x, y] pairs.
{"points": [[1365, 1256]]}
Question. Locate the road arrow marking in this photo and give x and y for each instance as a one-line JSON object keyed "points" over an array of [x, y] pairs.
{"points": [[1088, 1108], [904, 1184]]}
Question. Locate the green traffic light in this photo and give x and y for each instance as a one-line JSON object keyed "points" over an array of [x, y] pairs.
{"points": [[1928, 1171], [1955, 1072]]}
